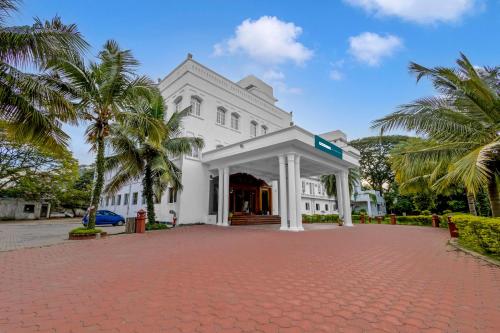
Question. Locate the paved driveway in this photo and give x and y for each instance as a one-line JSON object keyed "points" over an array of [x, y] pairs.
{"points": [[23, 234], [372, 278]]}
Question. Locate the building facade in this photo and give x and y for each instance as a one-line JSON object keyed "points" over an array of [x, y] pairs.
{"points": [[255, 163]]}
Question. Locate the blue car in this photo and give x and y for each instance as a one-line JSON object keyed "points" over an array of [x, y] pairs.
{"points": [[105, 217]]}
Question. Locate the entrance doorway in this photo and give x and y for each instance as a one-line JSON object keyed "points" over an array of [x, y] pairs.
{"points": [[249, 195]]}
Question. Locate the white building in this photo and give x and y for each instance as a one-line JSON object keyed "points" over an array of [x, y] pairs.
{"points": [[370, 201], [256, 167]]}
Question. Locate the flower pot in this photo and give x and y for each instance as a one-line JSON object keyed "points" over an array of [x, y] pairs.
{"points": [[379, 219], [393, 218], [435, 221], [452, 228], [362, 219], [82, 237]]}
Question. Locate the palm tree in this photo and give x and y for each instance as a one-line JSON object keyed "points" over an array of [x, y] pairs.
{"points": [[137, 154], [31, 109], [102, 92], [330, 182], [461, 125], [416, 177]]}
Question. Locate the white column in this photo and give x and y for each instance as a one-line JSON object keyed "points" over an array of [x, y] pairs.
{"points": [[225, 214], [275, 197], [283, 201], [292, 199], [298, 194], [220, 202], [340, 206], [346, 198], [369, 206]]}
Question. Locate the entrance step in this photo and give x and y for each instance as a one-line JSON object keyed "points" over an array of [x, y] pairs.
{"points": [[255, 219]]}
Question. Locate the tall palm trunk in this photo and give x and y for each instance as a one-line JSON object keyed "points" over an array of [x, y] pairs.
{"points": [[494, 196], [148, 192], [99, 182], [472, 204]]}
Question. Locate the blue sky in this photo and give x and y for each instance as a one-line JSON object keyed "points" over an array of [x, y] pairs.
{"points": [[335, 64]]}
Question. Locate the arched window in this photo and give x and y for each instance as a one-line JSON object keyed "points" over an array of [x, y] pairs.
{"points": [[235, 121], [263, 129], [221, 116], [253, 129], [195, 106], [178, 104]]}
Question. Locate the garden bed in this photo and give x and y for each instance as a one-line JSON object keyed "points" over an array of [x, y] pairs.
{"points": [[83, 233]]}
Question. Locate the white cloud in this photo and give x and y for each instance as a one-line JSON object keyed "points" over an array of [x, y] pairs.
{"points": [[273, 75], [370, 47], [336, 75], [419, 11], [267, 40]]}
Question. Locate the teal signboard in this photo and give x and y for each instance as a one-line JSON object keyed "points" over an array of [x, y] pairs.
{"points": [[327, 147]]}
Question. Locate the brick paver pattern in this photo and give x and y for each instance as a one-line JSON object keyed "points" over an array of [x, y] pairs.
{"points": [[372, 278]]}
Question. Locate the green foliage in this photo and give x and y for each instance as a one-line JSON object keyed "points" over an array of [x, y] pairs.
{"points": [[425, 220], [103, 93], [330, 182], [317, 218], [33, 174], [481, 234], [447, 211], [426, 212], [84, 231], [374, 162], [460, 125], [137, 153], [31, 108], [156, 226], [78, 191]]}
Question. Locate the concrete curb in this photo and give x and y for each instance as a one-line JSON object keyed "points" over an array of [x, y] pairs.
{"points": [[454, 243]]}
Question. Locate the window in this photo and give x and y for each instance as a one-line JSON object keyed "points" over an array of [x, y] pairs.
{"points": [[29, 208], [253, 129], [311, 188], [107, 201], [125, 199], [317, 207], [135, 195], [195, 106], [221, 116], [326, 207], [307, 206], [263, 129], [303, 187], [143, 201], [118, 199], [235, 121], [178, 104], [172, 195], [113, 200]]}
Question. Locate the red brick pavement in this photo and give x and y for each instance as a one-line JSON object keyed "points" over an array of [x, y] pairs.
{"points": [[372, 278]]}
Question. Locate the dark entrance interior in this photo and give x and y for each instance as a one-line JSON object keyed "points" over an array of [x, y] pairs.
{"points": [[44, 211], [249, 195]]}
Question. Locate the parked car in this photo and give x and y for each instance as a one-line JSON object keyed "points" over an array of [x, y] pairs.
{"points": [[105, 217]]}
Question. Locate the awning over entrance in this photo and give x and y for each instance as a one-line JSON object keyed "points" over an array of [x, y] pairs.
{"points": [[285, 156]]}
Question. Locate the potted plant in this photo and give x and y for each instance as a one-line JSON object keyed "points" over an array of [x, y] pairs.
{"points": [[82, 233]]}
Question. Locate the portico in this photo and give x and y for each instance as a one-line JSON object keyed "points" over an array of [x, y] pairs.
{"points": [[281, 158]]}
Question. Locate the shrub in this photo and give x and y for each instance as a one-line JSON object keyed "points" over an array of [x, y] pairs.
{"points": [[481, 234], [84, 231], [426, 212], [316, 218], [415, 220], [447, 211], [156, 226]]}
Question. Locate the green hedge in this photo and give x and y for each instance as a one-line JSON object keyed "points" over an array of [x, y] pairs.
{"points": [[85, 231], [415, 220], [317, 218], [156, 226], [481, 234]]}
